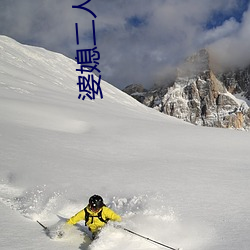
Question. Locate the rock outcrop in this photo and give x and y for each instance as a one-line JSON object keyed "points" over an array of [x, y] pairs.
{"points": [[201, 97]]}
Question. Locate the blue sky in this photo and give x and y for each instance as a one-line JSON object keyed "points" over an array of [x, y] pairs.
{"points": [[218, 17], [140, 41]]}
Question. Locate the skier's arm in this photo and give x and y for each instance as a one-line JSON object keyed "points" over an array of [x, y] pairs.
{"points": [[110, 214], [77, 217]]}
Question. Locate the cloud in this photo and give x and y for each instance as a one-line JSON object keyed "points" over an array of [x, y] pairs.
{"points": [[139, 41], [233, 49], [228, 28]]}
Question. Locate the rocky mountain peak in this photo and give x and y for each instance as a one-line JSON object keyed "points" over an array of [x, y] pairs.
{"points": [[202, 97], [196, 64]]}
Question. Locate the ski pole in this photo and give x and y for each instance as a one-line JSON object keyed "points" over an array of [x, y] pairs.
{"points": [[45, 228], [146, 238]]}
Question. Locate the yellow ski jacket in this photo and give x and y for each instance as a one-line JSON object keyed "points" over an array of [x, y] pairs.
{"points": [[94, 223]]}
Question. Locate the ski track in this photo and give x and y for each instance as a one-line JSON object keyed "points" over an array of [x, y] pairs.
{"points": [[144, 214]]}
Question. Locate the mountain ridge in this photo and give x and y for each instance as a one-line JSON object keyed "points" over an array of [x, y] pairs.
{"points": [[202, 96]]}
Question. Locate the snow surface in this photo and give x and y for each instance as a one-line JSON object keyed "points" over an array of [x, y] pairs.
{"points": [[182, 185]]}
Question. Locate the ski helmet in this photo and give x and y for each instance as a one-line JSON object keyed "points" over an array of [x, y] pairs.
{"points": [[95, 202]]}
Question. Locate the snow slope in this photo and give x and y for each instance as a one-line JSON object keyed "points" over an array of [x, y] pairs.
{"points": [[173, 182]]}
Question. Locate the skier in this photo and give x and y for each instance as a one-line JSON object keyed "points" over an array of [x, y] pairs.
{"points": [[95, 214]]}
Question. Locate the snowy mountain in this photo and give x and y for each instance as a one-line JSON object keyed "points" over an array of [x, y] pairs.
{"points": [[182, 185], [201, 96], [237, 81]]}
